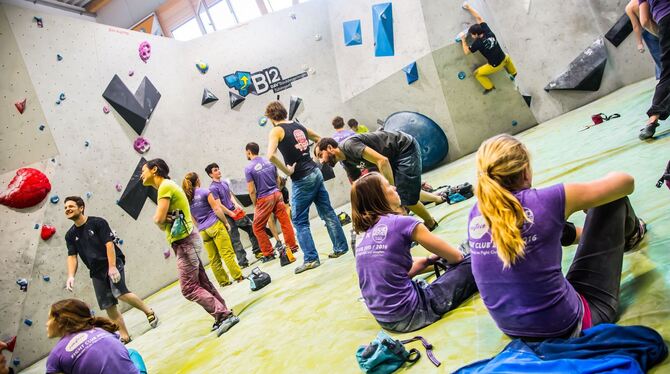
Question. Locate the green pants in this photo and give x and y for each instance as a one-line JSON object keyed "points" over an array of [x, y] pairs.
{"points": [[219, 247]]}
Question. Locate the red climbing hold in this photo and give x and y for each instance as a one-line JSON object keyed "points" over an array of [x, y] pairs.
{"points": [[11, 344], [28, 187], [47, 232], [21, 105]]}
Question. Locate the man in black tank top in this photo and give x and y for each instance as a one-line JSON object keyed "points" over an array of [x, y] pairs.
{"points": [[292, 140]]}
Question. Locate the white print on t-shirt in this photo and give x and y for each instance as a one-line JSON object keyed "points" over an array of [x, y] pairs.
{"points": [[531, 219], [379, 233], [76, 341], [258, 167], [478, 227], [489, 43], [86, 344], [302, 143]]}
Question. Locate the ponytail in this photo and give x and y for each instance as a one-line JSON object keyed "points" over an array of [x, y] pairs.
{"points": [[501, 163], [73, 315], [189, 184], [104, 323]]}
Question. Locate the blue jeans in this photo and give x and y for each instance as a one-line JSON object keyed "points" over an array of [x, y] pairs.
{"points": [[306, 191], [654, 48]]}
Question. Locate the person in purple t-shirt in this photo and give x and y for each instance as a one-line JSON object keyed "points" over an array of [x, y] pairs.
{"points": [[262, 182], [515, 231], [340, 132], [213, 227], [654, 17], [385, 265], [87, 344]]}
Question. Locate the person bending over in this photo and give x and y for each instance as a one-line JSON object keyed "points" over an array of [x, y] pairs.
{"points": [[291, 138], [487, 44], [213, 227], [237, 218], [262, 182], [385, 265], [93, 240], [173, 216], [515, 232], [87, 343], [395, 154]]}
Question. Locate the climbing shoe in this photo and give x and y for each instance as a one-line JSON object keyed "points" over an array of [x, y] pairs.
{"points": [[269, 258], [648, 130], [226, 324], [336, 254], [633, 243], [307, 266]]}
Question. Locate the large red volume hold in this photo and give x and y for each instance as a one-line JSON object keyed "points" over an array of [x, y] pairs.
{"points": [[28, 187]]}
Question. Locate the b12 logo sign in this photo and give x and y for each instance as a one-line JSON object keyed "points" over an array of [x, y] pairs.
{"points": [[260, 82]]}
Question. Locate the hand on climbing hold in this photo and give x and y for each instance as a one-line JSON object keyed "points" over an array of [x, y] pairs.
{"points": [[640, 48], [114, 274], [465, 5], [69, 284]]}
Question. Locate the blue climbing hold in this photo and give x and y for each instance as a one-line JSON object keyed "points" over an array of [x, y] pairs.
{"points": [[411, 73], [37, 226], [16, 361], [120, 241], [59, 57], [54, 199], [461, 75], [41, 127], [61, 97], [514, 123], [430, 136], [263, 121], [57, 102], [86, 143], [202, 67], [89, 194], [46, 278], [28, 322]]}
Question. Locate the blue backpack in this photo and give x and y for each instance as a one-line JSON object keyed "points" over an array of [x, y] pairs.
{"points": [[384, 355]]}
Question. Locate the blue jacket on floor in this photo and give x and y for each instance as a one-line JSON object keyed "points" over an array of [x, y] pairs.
{"points": [[605, 348]]}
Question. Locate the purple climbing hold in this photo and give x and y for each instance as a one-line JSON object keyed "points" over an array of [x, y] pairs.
{"points": [[145, 51], [119, 187], [131, 73], [105, 109], [141, 145], [166, 253]]}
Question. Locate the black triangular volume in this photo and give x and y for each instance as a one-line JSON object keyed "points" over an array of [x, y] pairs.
{"points": [[133, 108], [208, 97], [527, 99], [293, 108], [585, 72], [235, 99], [133, 197], [239, 188], [620, 31]]}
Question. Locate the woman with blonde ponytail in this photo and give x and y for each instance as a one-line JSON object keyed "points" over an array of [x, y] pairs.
{"points": [[515, 234], [87, 343], [214, 227]]}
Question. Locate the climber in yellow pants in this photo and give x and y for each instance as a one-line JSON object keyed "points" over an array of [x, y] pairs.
{"points": [[486, 43]]}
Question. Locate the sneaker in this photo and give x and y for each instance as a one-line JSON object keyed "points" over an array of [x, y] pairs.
{"points": [[258, 255], [153, 319], [307, 266], [226, 324], [648, 131], [269, 258], [336, 254], [633, 243], [486, 92]]}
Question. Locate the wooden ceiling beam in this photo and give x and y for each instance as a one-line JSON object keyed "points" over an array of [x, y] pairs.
{"points": [[96, 5]]}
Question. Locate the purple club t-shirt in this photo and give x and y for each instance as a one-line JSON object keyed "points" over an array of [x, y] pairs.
{"points": [[93, 351], [383, 261], [339, 136], [264, 175], [531, 298], [201, 211], [659, 8], [221, 191]]}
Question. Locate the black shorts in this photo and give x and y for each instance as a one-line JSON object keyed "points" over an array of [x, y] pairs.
{"points": [[284, 194], [407, 175], [107, 292]]}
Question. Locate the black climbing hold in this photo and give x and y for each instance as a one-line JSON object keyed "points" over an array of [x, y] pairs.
{"points": [[620, 31], [585, 72], [133, 197], [134, 108], [235, 99], [527, 99], [239, 188], [208, 97], [295, 104]]}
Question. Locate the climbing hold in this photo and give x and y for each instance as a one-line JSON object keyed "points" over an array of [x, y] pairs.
{"points": [[119, 187], [145, 51], [105, 109], [621, 29], [262, 121], [202, 66], [11, 344], [86, 143], [292, 15], [585, 72], [166, 253], [430, 136], [21, 105], [28, 187], [131, 73], [528, 99], [382, 27], [135, 193], [54, 199], [23, 284], [16, 361], [28, 322], [57, 102], [514, 123], [47, 232], [61, 97], [352, 33], [37, 226], [141, 145], [46, 278], [89, 194], [461, 75], [235, 99], [120, 241], [41, 127], [293, 106], [317, 37], [411, 73], [208, 97], [136, 109], [39, 21], [59, 57]]}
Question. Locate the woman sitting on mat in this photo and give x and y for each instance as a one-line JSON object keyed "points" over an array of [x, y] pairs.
{"points": [[515, 231], [385, 266], [87, 344], [213, 226]]}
